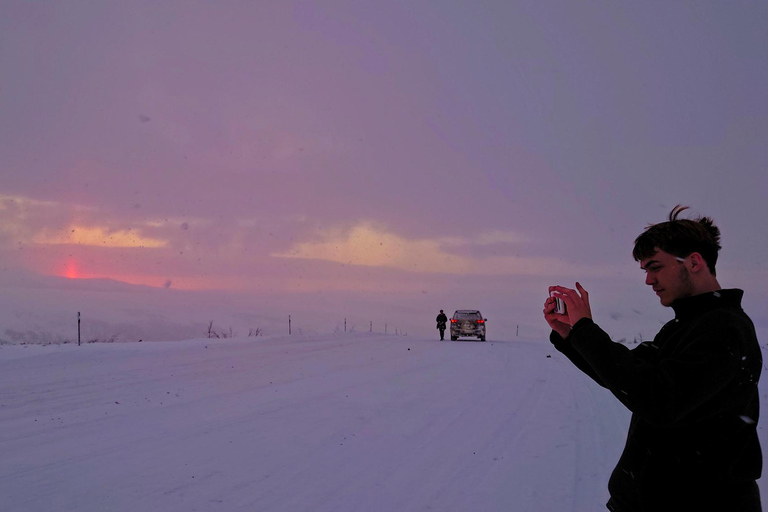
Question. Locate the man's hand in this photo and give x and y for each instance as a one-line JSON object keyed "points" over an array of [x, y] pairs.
{"points": [[576, 304], [555, 321]]}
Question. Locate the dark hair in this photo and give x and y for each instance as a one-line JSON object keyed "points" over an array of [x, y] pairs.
{"points": [[680, 237]]}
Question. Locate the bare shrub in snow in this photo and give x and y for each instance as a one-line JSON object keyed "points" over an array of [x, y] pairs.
{"points": [[211, 333], [111, 339], [229, 333]]}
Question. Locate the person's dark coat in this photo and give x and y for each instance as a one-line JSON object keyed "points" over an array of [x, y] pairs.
{"points": [[441, 320], [692, 441]]}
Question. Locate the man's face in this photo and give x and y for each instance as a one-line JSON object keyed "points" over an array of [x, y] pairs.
{"points": [[668, 276]]}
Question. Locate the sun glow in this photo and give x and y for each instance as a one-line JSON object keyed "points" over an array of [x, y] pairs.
{"points": [[71, 270]]}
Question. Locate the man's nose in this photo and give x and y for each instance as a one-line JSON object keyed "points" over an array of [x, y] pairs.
{"points": [[649, 279]]}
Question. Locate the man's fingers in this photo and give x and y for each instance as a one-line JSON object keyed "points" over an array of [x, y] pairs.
{"points": [[562, 290]]}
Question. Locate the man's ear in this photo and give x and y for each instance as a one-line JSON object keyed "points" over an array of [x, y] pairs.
{"points": [[697, 262]]}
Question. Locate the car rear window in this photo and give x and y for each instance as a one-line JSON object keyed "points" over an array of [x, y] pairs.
{"points": [[466, 316]]}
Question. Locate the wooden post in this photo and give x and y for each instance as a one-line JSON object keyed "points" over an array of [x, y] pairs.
{"points": [[78, 328], [289, 325], [345, 325]]}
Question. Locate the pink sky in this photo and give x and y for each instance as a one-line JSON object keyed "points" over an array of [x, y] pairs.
{"points": [[398, 147]]}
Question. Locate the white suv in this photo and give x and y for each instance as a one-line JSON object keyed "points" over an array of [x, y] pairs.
{"points": [[468, 323]]}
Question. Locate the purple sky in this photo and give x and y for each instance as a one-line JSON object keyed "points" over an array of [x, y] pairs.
{"points": [[401, 147]]}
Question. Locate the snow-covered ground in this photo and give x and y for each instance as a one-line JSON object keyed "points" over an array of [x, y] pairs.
{"points": [[343, 422]]}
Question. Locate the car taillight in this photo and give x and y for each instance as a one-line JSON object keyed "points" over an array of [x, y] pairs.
{"points": [[481, 321], [453, 320]]}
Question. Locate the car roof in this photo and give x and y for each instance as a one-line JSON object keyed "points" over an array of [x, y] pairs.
{"points": [[466, 311]]}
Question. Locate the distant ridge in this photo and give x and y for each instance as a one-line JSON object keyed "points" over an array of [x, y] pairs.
{"points": [[27, 279]]}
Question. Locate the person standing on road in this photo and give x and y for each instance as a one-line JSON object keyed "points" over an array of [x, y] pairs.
{"points": [[692, 443], [442, 320]]}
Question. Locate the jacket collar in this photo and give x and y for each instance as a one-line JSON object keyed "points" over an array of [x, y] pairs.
{"points": [[692, 306]]}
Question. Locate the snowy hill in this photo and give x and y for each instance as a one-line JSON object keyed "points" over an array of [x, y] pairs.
{"points": [[344, 422]]}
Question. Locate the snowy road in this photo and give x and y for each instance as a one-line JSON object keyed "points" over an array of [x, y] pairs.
{"points": [[345, 422]]}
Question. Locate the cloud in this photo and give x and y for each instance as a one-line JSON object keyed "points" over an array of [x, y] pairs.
{"points": [[97, 236], [371, 246], [290, 252], [22, 217], [31, 221], [8, 202]]}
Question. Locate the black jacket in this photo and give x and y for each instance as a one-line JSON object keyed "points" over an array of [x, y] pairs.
{"points": [[441, 320], [692, 441]]}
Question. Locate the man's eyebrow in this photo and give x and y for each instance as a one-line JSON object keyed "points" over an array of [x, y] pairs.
{"points": [[643, 267]]}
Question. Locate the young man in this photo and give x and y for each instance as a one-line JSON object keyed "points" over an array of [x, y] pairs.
{"points": [[692, 443]]}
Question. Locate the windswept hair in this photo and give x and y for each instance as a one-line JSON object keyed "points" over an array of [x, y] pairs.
{"points": [[680, 237]]}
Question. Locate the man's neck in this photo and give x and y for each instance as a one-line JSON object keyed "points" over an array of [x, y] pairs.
{"points": [[707, 286]]}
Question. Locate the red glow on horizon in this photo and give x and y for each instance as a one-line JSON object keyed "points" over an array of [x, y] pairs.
{"points": [[70, 269]]}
